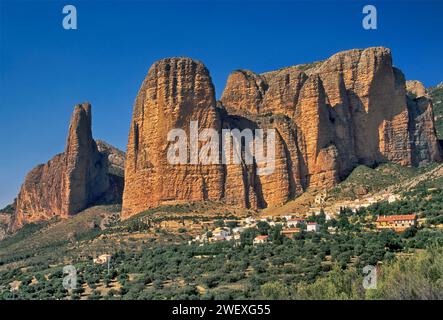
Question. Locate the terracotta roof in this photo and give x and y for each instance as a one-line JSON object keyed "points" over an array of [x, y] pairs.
{"points": [[396, 217], [312, 223], [261, 237]]}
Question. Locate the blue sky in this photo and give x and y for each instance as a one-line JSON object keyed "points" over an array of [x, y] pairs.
{"points": [[45, 70]]}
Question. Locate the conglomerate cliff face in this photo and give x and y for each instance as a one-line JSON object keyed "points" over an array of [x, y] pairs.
{"points": [[175, 92], [328, 117], [72, 180], [421, 124]]}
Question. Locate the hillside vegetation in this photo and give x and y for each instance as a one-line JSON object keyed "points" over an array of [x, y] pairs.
{"points": [[152, 259]]}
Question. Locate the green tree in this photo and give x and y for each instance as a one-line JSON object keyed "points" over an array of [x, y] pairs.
{"points": [[274, 291], [337, 285]]}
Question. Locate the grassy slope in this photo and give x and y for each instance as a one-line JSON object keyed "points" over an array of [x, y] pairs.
{"points": [[81, 236], [47, 245], [49, 240], [364, 180]]}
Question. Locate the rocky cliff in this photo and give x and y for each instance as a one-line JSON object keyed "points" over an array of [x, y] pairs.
{"points": [[422, 129], [175, 92], [328, 117], [72, 180], [436, 94]]}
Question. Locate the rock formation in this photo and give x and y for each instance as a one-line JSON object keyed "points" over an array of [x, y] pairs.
{"points": [[421, 125], [416, 88], [72, 180], [328, 117], [175, 92], [5, 219]]}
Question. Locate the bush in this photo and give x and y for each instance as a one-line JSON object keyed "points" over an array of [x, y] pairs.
{"points": [[411, 278]]}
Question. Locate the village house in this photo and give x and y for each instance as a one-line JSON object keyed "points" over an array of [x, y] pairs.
{"points": [[293, 223], [237, 230], [289, 233], [102, 259], [260, 239], [202, 238], [397, 223], [312, 227], [221, 232]]}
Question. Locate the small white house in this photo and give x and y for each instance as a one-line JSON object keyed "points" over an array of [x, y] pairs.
{"points": [[237, 230], [313, 226], [221, 233]]}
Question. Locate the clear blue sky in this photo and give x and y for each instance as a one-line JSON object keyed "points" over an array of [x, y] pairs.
{"points": [[45, 70]]}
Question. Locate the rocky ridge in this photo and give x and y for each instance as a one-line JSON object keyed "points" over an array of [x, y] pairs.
{"points": [[329, 117]]}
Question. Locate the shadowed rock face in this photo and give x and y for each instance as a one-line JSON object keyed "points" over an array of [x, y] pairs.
{"points": [[426, 147], [72, 180], [328, 117]]}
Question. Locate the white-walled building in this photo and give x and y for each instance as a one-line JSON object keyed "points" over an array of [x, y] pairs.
{"points": [[221, 232], [313, 226], [237, 230]]}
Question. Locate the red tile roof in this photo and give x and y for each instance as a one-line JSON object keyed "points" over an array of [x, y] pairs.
{"points": [[261, 237], [396, 217]]}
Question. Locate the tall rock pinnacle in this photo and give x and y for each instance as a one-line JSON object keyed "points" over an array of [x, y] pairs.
{"points": [[71, 181]]}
